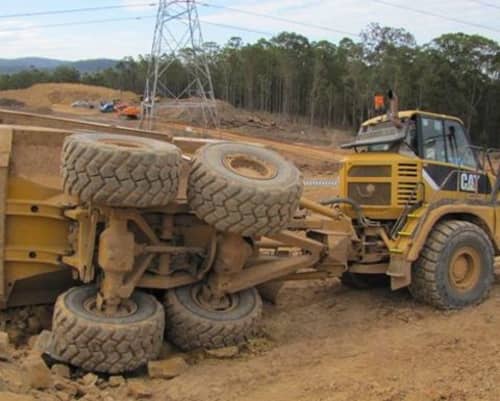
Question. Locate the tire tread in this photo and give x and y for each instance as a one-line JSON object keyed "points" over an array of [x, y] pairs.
{"points": [[425, 286], [105, 348], [118, 176]]}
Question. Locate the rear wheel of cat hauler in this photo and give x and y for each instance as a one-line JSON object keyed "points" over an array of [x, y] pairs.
{"points": [[243, 189], [120, 170], [86, 337], [195, 320]]}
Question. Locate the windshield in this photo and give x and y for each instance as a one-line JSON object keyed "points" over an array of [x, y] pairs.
{"points": [[380, 137], [381, 129]]}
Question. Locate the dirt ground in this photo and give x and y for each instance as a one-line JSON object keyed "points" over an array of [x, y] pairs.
{"points": [[320, 342], [324, 342]]}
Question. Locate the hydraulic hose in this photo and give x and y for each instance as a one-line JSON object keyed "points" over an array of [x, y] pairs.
{"points": [[360, 217]]}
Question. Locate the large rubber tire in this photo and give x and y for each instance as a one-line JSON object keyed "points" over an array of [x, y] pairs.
{"points": [[241, 203], [190, 326], [120, 170], [360, 281], [432, 281], [104, 344]]}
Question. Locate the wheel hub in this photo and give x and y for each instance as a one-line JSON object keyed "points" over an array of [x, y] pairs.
{"points": [[125, 308], [465, 269], [206, 300], [250, 166]]}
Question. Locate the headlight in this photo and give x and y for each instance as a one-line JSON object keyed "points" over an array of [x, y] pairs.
{"points": [[370, 193]]}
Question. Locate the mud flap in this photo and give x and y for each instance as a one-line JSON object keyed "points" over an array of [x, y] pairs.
{"points": [[400, 272]]}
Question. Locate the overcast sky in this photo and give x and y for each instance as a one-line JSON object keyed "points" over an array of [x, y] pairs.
{"points": [[22, 37]]}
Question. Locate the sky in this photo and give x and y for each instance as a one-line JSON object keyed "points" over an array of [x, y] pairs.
{"points": [[30, 36]]}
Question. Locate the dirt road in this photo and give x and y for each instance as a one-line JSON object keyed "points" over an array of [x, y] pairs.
{"points": [[324, 342]]}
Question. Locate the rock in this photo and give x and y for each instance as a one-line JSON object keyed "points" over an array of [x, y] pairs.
{"points": [[89, 393], [67, 386], [116, 381], [90, 397], [7, 396], [223, 353], [61, 370], [41, 343], [18, 354], [89, 380], [167, 368], [138, 389], [62, 396], [101, 383], [37, 374], [5, 353]]}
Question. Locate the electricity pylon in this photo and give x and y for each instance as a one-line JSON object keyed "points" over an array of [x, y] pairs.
{"points": [[178, 38]]}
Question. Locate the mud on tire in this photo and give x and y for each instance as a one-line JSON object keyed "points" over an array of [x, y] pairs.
{"points": [[190, 326], [120, 170], [105, 344], [243, 189], [433, 281]]}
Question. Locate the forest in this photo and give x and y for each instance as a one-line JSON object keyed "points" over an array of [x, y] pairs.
{"points": [[327, 84]]}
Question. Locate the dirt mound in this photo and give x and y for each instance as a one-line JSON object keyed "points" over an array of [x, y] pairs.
{"points": [[190, 111], [252, 123], [45, 96]]}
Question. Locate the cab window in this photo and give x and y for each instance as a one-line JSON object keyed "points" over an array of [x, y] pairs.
{"points": [[433, 141], [459, 150]]}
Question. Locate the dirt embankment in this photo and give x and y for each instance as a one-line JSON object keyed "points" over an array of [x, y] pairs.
{"points": [[59, 97], [257, 124]]}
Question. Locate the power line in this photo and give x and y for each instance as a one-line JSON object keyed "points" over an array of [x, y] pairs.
{"points": [[484, 3], [137, 18], [238, 28], [88, 22], [290, 21], [237, 10], [76, 10], [221, 25], [424, 12]]}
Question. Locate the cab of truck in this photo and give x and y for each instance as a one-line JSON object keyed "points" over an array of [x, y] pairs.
{"points": [[412, 157]]}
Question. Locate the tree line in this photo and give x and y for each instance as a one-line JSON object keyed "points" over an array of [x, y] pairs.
{"points": [[327, 84]]}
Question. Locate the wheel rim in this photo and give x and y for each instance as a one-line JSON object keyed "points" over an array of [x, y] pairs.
{"points": [[465, 269], [205, 300], [249, 166], [126, 308]]}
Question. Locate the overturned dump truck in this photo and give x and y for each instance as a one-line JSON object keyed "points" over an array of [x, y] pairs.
{"points": [[137, 244]]}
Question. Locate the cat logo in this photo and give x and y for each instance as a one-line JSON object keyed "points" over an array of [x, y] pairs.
{"points": [[469, 182]]}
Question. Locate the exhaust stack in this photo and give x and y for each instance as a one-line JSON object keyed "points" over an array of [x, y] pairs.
{"points": [[393, 113]]}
